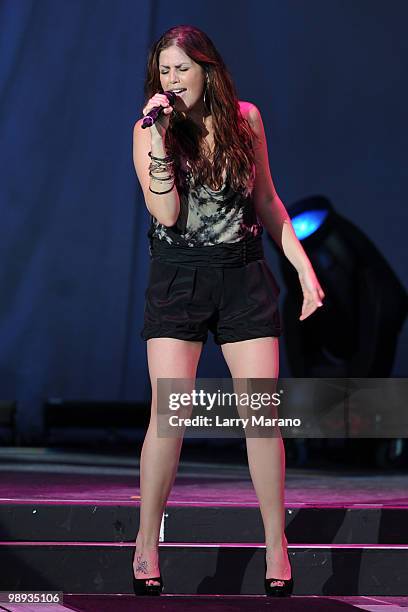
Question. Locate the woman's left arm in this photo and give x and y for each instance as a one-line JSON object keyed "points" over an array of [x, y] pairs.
{"points": [[274, 217]]}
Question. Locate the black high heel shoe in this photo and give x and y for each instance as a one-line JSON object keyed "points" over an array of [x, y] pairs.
{"points": [[141, 587], [279, 590]]}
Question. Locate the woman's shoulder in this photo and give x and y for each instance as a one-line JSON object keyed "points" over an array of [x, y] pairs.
{"points": [[248, 110]]}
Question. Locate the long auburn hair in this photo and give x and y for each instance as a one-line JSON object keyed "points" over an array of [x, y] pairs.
{"points": [[233, 135]]}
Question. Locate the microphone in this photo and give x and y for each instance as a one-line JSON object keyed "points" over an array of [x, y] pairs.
{"points": [[155, 113]]}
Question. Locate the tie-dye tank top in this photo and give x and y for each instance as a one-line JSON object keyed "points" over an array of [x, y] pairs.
{"points": [[209, 217]]}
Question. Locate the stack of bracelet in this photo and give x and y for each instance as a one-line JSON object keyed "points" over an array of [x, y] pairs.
{"points": [[161, 165]]}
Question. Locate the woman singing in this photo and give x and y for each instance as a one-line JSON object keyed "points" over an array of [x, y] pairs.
{"points": [[204, 170]]}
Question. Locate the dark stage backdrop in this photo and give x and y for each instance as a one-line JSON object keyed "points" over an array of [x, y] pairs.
{"points": [[329, 77]]}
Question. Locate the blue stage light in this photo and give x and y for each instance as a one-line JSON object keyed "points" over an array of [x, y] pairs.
{"points": [[308, 222]]}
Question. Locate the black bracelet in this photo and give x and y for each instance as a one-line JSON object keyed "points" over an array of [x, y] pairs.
{"points": [[161, 171], [164, 178], [159, 164], [161, 192], [167, 159]]}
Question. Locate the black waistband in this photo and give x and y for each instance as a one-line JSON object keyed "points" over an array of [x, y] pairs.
{"points": [[225, 255]]}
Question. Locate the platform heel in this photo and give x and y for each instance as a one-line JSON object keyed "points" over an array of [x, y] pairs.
{"points": [[140, 586], [279, 590]]}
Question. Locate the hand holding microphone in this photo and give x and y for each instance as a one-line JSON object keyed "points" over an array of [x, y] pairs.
{"points": [[157, 113]]}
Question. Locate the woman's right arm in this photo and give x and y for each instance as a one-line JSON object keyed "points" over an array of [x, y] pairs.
{"points": [[164, 207]]}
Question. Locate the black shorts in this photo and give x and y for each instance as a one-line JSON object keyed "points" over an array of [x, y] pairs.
{"points": [[237, 301]]}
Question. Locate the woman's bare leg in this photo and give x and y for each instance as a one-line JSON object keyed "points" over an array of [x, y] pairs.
{"points": [[259, 358], [167, 358]]}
